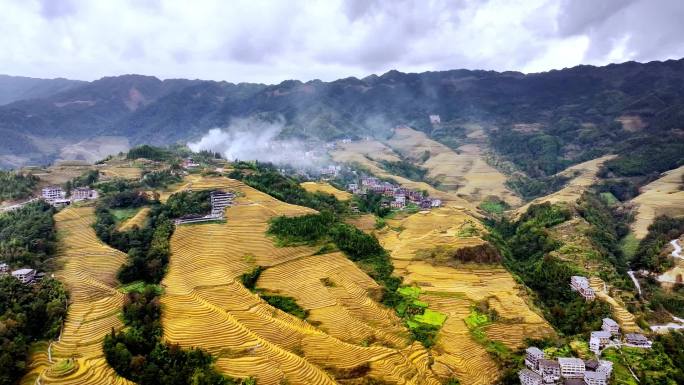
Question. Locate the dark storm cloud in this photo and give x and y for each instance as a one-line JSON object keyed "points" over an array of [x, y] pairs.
{"points": [[271, 40]]}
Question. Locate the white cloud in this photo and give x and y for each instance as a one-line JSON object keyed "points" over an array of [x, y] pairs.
{"points": [[272, 40]]}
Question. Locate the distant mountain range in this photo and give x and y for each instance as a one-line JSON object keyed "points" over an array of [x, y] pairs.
{"points": [[13, 88], [42, 120]]}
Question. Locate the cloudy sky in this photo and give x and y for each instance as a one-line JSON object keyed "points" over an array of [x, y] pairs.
{"points": [[271, 40]]}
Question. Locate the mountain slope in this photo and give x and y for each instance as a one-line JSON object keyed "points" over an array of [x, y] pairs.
{"points": [[541, 123], [13, 88]]}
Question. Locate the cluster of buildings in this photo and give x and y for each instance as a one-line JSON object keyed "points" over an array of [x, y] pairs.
{"points": [[572, 371], [56, 196], [330, 172], [189, 164], [610, 335], [219, 201], [575, 371], [581, 285], [398, 197], [25, 276]]}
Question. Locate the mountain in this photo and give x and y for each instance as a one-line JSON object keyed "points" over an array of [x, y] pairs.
{"points": [[539, 122], [13, 88]]}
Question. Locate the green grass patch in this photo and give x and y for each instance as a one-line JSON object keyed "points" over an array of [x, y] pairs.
{"points": [[138, 287], [409, 291], [493, 207], [123, 214], [467, 231], [476, 320], [286, 304], [431, 317], [629, 245], [608, 198], [621, 374]]}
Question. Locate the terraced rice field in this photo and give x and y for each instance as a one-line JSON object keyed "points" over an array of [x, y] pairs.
{"points": [[328, 189], [205, 304], [138, 220], [453, 290], [88, 271], [122, 171], [364, 222], [60, 173], [662, 196], [367, 154], [465, 172], [583, 175], [622, 316]]}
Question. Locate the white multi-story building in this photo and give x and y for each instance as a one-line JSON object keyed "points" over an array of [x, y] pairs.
{"points": [[637, 340], [595, 378], [83, 193], [605, 367], [528, 377], [435, 119], [571, 367], [53, 193], [24, 275], [611, 326], [532, 357], [598, 340], [4, 268], [581, 285], [549, 370]]}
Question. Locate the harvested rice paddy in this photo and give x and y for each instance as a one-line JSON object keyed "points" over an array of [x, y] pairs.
{"points": [[139, 220], [620, 313], [326, 188], [663, 196], [453, 291], [205, 304], [89, 273], [366, 154], [464, 172], [583, 175]]}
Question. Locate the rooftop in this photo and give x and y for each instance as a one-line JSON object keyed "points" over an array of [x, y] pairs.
{"points": [[609, 321], [22, 271], [534, 350], [570, 361], [636, 336], [548, 363], [528, 373], [595, 375], [601, 334]]}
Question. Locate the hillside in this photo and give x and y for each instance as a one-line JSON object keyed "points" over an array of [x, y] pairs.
{"points": [[13, 88], [458, 296]]}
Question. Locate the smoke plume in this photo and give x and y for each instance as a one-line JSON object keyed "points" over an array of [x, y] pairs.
{"points": [[254, 139]]}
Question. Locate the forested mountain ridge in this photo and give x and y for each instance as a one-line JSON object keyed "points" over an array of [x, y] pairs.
{"points": [[13, 88], [550, 119]]}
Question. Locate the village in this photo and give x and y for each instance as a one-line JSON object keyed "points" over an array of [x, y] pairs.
{"points": [[575, 371], [399, 197]]}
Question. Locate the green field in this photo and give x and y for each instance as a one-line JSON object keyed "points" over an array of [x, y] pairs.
{"points": [[121, 215], [431, 317], [629, 245]]}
